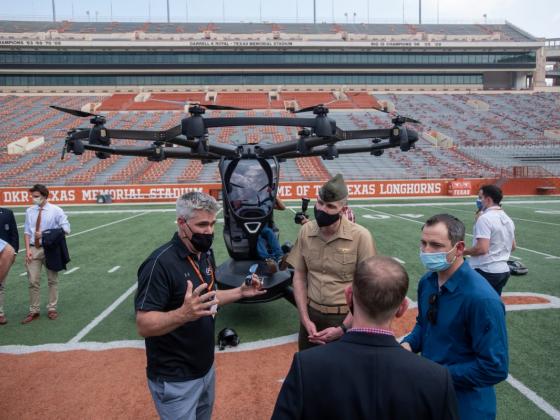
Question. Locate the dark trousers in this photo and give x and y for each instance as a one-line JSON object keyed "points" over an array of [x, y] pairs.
{"points": [[321, 322], [496, 280]]}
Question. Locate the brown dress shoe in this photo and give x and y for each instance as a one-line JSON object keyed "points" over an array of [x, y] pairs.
{"points": [[3, 320], [52, 315], [30, 317]]}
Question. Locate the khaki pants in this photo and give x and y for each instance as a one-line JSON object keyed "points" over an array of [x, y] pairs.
{"points": [[321, 321], [34, 275]]}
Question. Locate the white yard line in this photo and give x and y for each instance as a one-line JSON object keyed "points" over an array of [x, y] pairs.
{"points": [[100, 226], [533, 397], [467, 234], [513, 218], [79, 212], [102, 315], [106, 224], [398, 260], [71, 270], [115, 268], [437, 203]]}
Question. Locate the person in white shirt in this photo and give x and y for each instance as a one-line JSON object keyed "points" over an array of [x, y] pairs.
{"points": [[493, 238], [7, 257], [40, 217]]}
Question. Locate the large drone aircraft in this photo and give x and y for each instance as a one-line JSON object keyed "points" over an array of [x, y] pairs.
{"points": [[249, 172]]}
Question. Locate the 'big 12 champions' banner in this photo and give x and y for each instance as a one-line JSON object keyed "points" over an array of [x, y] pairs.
{"points": [[13, 196]]}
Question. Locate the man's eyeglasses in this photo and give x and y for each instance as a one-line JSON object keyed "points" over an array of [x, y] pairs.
{"points": [[432, 310]]}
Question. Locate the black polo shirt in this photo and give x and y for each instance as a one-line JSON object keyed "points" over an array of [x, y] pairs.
{"points": [[188, 351]]}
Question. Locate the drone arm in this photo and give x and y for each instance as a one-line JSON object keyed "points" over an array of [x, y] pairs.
{"points": [[381, 133], [275, 121], [154, 152]]}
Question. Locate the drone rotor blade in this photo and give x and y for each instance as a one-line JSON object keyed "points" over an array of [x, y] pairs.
{"points": [[411, 120], [306, 109], [75, 112], [223, 107]]}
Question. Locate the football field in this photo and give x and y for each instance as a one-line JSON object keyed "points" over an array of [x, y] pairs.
{"points": [[109, 242]]}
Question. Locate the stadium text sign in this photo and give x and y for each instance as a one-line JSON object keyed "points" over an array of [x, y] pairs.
{"points": [[14, 196]]}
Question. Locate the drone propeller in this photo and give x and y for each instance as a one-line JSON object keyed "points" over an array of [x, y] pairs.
{"points": [[402, 118], [75, 112], [207, 106], [311, 108]]}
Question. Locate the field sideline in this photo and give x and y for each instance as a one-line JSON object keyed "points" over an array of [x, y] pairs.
{"points": [[108, 243]]}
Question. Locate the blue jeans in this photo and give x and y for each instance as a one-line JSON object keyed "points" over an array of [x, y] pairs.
{"points": [[268, 245], [189, 400]]}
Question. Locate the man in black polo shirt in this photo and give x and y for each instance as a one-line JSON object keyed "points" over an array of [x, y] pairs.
{"points": [[175, 305]]}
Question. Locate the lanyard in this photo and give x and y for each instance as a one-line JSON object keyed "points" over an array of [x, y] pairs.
{"points": [[199, 274]]}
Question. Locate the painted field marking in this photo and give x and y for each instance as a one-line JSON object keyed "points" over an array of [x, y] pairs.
{"points": [[102, 315], [544, 254], [513, 218], [398, 260], [101, 226], [548, 211], [71, 271], [23, 274], [106, 224], [534, 397], [411, 215], [80, 212], [440, 203], [115, 268], [376, 216]]}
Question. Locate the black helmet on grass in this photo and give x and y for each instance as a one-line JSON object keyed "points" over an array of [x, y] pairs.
{"points": [[227, 337]]}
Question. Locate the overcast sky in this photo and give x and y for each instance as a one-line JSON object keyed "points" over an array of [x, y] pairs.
{"points": [[538, 17]]}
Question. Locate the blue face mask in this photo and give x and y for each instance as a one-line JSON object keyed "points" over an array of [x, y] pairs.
{"points": [[479, 204], [436, 261]]}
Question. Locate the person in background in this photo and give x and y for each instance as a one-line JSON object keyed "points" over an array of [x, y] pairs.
{"points": [[7, 258], [40, 217], [461, 320], [493, 238], [8, 228]]}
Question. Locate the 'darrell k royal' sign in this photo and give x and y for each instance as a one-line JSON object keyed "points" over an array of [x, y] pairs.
{"points": [[14, 196]]}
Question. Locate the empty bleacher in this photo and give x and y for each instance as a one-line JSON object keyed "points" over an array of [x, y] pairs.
{"points": [[510, 132]]}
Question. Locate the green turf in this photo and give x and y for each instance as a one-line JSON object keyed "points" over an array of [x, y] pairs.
{"points": [[125, 239]]}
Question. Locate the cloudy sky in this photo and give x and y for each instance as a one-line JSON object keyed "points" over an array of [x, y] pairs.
{"points": [[538, 17]]}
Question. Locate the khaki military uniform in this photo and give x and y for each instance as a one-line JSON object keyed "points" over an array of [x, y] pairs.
{"points": [[330, 267]]}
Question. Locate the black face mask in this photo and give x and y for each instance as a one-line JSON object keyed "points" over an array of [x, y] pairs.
{"points": [[325, 219], [201, 241]]}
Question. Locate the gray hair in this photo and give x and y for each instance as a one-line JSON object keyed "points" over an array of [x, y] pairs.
{"points": [[188, 203]]}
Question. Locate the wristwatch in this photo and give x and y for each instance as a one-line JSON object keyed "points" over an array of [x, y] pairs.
{"points": [[343, 327]]}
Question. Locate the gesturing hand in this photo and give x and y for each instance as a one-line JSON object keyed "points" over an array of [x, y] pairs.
{"points": [[196, 304]]}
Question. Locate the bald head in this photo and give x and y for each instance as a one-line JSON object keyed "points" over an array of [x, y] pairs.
{"points": [[379, 287]]}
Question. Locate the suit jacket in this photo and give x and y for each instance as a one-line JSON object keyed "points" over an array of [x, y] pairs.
{"points": [[56, 250], [8, 228], [365, 376]]}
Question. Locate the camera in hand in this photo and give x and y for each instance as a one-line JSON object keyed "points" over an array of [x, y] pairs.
{"points": [[301, 215]]}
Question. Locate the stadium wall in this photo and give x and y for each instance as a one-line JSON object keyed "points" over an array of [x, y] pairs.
{"points": [[19, 196]]}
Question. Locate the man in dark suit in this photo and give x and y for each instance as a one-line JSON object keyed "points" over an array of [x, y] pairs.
{"points": [[367, 374], [8, 228]]}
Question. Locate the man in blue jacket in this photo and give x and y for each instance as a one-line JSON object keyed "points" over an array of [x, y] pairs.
{"points": [[461, 319]]}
